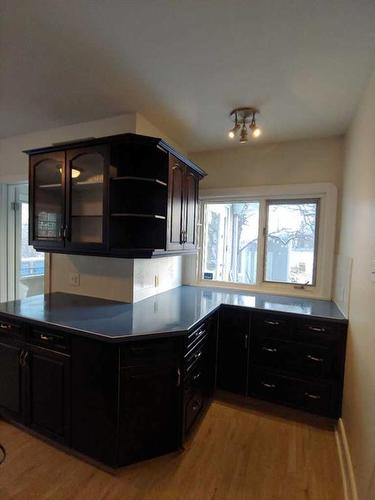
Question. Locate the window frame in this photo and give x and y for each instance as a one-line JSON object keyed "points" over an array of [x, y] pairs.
{"points": [[293, 201], [325, 235]]}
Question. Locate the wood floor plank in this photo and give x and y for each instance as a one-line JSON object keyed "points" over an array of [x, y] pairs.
{"points": [[236, 454]]}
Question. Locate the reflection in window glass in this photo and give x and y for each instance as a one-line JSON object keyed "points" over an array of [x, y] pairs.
{"points": [[32, 262], [291, 241], [230, 242]]}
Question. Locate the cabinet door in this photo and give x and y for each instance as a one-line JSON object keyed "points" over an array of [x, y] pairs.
{"points": [[233, 345], [149, 412], [47, 200], [87, 183], [175, 208], [190, 209], [49, 393], [11, 379]]}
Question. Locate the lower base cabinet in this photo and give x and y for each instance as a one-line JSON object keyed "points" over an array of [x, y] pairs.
{"points": [[48, 393], [11, 379]]}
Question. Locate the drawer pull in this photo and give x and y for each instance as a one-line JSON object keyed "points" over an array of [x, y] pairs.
{"points": [[45, 337], [312, 396], [5, 326], [269, 386], [196, 405], [313, 358], [199, 333], [316, 329], [272, 323], [269, 349]]}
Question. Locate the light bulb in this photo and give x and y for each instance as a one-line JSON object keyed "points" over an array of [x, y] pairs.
{"points": [[256, 132], [74, 172], [231, 134]]}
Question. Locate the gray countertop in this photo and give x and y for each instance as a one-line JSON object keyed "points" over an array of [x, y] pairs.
{"points": [[173, 312]]}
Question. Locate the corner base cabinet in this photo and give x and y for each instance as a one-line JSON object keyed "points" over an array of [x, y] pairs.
{"points": [[126, 195]]}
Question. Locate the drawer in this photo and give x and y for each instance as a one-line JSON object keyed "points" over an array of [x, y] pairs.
{"points": [[304, 359], [196, 336], [196, 355], [314, 397], [194, 381], [193, 408], [318, 332], [48, 339], [271, 325], [10, 328], [146, 352]]}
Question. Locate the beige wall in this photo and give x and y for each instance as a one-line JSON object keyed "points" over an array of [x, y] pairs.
{"points": [[290, 162], [357, 248]]}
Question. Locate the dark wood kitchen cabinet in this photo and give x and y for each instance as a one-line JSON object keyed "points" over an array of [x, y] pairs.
{"points": [[126, 195], [126, 403], [233, 349], [182, 208], [48, 392], [11, 379]]}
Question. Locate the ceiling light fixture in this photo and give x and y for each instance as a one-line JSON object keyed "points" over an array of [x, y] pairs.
{"points": [[242, 118]]}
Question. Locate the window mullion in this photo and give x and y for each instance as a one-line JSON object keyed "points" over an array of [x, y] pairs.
{"points": [[261, 241]]}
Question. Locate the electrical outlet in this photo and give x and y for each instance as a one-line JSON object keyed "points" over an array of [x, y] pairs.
{"points": [[74, 279], [156, 280]]}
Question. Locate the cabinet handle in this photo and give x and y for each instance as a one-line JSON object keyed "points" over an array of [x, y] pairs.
{"points": [[5, 326], [316, 329], [196, 405], [44, 337], [269, 386], [246, 338], [198, 355], [269, 349], [313, 358], [197, 376], [20, 354], [178, 378], [23, 357], [312, 396], [199, 333], [272, 323]]}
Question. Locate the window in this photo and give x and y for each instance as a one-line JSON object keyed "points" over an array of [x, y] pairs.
{"points": [[261, 241], [231, 242], [291, 235], [25, 264]]}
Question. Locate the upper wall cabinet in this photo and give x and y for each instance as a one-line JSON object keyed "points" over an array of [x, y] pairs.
{"points": [[126, 195]]}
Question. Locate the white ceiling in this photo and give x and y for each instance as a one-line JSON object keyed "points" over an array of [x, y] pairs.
{"points": [[185, 64]]}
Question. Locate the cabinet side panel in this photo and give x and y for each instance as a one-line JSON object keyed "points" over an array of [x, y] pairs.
{"points": [[95, 399]]}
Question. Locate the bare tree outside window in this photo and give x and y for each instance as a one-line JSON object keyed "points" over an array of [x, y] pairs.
{"points": [[290, 255]]}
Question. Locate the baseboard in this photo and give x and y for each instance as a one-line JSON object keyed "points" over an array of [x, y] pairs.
{"points": [[347, 471]]}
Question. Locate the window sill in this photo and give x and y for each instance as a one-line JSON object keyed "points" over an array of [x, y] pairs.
{"points": [[286, 290]]}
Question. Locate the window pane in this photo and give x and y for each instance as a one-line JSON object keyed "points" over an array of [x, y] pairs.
{"points": [[30, 278], [230, 242], [290, 241]]}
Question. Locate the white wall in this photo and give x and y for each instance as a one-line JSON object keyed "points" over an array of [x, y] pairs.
{"points": [[166, 270], [357, 250]]}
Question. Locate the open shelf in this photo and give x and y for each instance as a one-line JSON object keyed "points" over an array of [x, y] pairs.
{"points": [[87, 215], [148, 216], [137, 231], [141, 179]]}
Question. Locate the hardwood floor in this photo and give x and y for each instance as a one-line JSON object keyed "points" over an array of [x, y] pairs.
{"points": [[237, 453]]}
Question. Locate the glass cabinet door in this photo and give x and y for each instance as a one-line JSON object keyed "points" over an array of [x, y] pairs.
{"points": [[86, 172], [48, 199]]}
